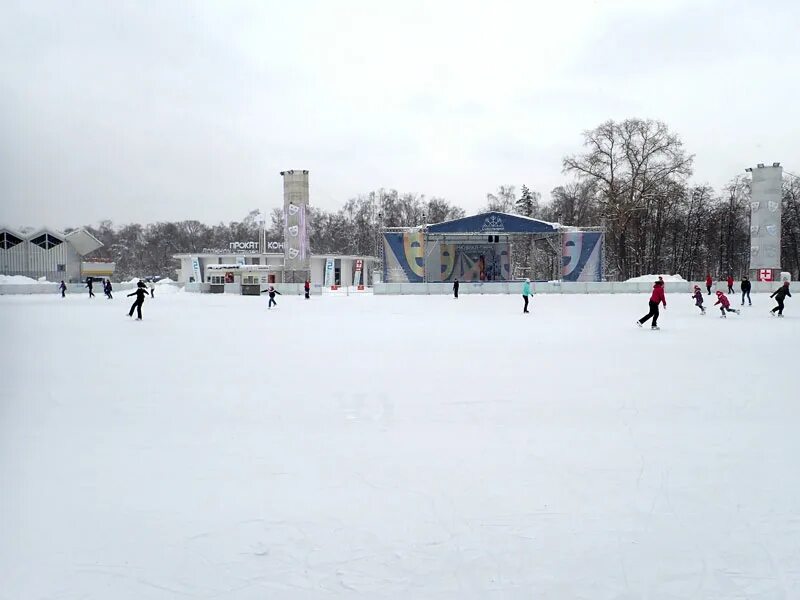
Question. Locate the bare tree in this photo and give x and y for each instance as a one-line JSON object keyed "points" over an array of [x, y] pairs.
{"points": [[629, 163]]}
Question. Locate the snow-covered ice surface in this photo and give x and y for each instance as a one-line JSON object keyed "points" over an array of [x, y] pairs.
{"points": [[397, 447]]}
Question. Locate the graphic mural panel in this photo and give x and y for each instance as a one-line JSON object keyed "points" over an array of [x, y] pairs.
{"points": [[582, 256], [404, 257]]}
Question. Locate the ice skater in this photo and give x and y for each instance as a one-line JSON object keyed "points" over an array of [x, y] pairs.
{"points": [[780, 295], [89, 285], [271, 291], [455, 288], [656, 298], [746, 291], [107, 289], [307, 288], [141, 294], [709, 283], [730, 283], [526, 291], [698, 299], [152, 289], [63, 287], [725, 307]]}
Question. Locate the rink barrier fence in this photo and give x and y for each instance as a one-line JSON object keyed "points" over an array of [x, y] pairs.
{"points": [[72, 288], [563, 287]]}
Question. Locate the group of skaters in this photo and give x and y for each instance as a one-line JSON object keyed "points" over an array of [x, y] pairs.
{"points": [[658, 298], [141, 292]]}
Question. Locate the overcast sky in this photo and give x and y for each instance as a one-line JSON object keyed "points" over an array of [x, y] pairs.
{"points": [[148, 111]]}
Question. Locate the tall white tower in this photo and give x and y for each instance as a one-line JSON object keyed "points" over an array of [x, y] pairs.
{"points": [[296, 253]]}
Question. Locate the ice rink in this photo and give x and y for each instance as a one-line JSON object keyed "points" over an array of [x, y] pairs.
{"points": [[397, 447]]}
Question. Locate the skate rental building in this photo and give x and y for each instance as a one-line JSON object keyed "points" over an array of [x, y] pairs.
{"points": [[246, 265]]}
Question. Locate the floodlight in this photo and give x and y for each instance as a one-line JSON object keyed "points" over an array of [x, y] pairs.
{"points": [[776, 164], [760, 165], [749, 169]]}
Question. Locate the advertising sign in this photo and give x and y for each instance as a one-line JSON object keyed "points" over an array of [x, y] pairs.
{"points": [[329, 272]]}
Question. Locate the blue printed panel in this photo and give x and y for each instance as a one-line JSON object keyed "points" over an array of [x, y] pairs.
{"points": [[404, 257], [582, 256]]}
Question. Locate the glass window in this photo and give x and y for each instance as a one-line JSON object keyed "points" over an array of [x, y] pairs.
{"points": [[8, 241], [61, 268], [46, 241]]}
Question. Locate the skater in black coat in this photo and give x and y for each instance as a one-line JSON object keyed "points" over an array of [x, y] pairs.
{"points": [[90, 286], [780, 295], [455, 288], [63, 287], [140, 293], [108, 289], [271, 291], [746, 291]]}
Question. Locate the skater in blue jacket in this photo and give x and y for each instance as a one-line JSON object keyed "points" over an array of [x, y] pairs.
{"points": [[526, 291]]}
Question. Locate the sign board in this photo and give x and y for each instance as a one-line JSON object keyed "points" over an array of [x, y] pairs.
{"points": [[196, 274], [329, 272], [765, 275]]}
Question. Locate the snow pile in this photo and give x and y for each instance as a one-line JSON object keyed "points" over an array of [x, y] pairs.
{"points": [[22, 280], [652, 278]]}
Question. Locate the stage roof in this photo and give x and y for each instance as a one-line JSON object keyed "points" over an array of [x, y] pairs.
{"points": [[494, 222]]}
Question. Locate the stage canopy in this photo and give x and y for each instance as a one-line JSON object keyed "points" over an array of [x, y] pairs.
{"points": [[494, 222]]}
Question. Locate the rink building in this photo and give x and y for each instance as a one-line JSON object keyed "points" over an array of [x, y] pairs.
{"points": [[51, 254]]}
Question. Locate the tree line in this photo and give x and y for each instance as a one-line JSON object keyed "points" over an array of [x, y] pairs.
{"points": [[631, 177]]}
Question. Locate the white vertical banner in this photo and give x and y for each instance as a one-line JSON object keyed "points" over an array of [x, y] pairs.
{"points": [[358, 270], [240, 260], [196, 269], [329, 272]]}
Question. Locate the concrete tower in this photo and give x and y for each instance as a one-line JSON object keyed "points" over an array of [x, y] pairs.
{"points": [[296, 253], [765, 221]]}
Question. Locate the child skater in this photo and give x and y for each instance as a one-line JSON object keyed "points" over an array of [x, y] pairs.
{"points": [[271, 291], [698, 299], [726, 304]]}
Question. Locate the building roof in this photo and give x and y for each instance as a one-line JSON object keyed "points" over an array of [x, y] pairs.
{"points": [[494, 222], [83, 241]]}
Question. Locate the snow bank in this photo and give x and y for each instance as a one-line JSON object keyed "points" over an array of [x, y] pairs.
{"points": [[647, 278], [22, 280]]}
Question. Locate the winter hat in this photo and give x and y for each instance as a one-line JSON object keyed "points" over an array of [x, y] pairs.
{"points": [[697, 287], [719, 292], [527, 280]]}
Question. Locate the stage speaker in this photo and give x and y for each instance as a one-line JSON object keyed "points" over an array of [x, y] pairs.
{"points": [[497, 239], [490, 239]]}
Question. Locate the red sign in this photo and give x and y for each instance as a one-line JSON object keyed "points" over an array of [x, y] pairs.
{"points": [[765, 275]]}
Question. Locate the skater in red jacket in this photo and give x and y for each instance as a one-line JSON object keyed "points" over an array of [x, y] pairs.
{"points": [[730, 284], [726, 304], [709, 283], [656, 298]]}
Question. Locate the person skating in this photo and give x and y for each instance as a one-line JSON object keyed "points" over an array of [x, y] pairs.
{"points": [[526, 291], [63, 287], [656, 298], [107, 289], [455, 288], [780, 295], [307, 288], [90, 285], [141, 293], [709, 283], [725, 307], [698, 299], [271, 291], [152, 289], [730, 283], [746, 291]]}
